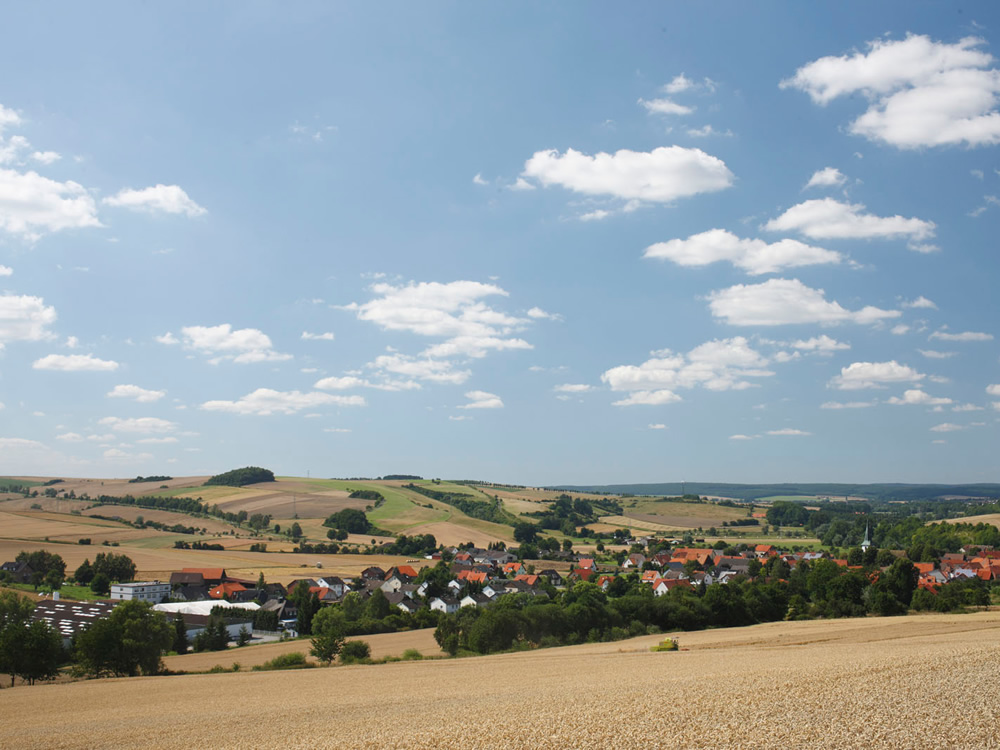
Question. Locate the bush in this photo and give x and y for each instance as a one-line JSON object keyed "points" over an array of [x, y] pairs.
{"points": [[354, 651], [293, 660], [411, 654]]}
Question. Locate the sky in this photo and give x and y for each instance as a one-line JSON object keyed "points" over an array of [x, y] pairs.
{"points": [[535, 243]]}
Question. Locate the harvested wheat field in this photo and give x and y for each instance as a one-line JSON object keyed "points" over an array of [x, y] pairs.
{"points": [[382, 645], [826, 684]]}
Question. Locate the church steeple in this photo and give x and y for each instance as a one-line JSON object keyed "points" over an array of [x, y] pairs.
{"points": [[867, 542]]}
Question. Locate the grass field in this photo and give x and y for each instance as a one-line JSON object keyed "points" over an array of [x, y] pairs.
{"points": [[820, 684]]}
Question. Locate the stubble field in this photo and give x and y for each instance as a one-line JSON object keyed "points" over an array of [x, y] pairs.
{"points": [[918, 681]]}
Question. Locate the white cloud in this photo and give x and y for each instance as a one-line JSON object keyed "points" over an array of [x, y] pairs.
{"points": [[917, 397], [847, 405], [820, 344], [785, 301], [350, 381], [422, 368], [478, 179], [46, 157], [573, 388], [138, 425], [931, 354], [8, 117], [74, 363], [967, 407], [25, 318], [538, 313], [963, 336], [789, 432], [157, 441], [266, 401], [742, 437], [658, 426], [482, 400], [920, 92], [6, 271], [706, 131], [31, 205], [678, 84], [306, 336], [993, 390], [114, 454], [858, 375], [827, 177], [596, 215], [921, 303], [947, 427], [826, 218], [658, 176], [142, 395], [336, 429], [522, 184], [70, 437], [242, 346], [718, 365], [899, 330], [169, 199], [665, 107], [752, 255]]}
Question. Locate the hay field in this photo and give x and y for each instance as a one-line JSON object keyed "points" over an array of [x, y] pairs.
{"points": [[382, 645], [919, 681], [687, 515], [131, 513]]}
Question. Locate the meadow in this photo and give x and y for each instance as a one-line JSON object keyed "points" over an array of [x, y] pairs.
{"points": [[819, 684]]}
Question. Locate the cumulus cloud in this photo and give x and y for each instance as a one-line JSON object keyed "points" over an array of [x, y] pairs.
{"points": [[116, 454], [74, 363], [658, 176], [739, 437], [665, 106], [482, 400], [222, 343], [785, 301], [658, 426], [168, 199], [921, 303], [789, 432], [752, 255], [718, 365], [947, 427], [306, 336], [820, 344], [920, 92], [826, 218], [944, 335], [932, 354], [860, 375], [142, 395], [827, 177], [137, 425], [993, 389], [32, 205], [573, 388], [25, 318], [917, 397], [847, 405], [70, 437], [422, 368], [706, 131], [266, 401], [349, 382], [6, 271], [538, 313]]}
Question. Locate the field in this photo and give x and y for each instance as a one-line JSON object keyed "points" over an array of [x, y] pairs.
{"points": [[682, 515], [382, 645], [820, 684], [992, 518]]}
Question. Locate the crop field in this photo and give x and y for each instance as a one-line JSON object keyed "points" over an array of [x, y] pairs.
{"points": [[382, 645], [992, 518], [685, 515], [131, 513], [819, 684]]}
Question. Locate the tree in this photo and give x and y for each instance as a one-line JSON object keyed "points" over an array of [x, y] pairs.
{"points": [[100, 584], [244, 637], [114, 567], [84, 574], [525, 532], [377, 606], [127, 642], [41, 653], [180, 642], [42, 561], [355, 651], [15, 614], [328, 635]]}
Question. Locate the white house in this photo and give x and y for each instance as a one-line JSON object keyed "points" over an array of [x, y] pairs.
{"points": [[144, 591], [444, 604]]}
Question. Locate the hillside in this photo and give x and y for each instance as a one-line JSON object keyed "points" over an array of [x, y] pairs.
{"points": [[821, 684]]}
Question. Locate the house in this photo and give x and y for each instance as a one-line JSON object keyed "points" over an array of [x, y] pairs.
{"points": [[664, 585], [445, 604], [586, 563], [475, 600], [20, 572], [604, 581], [582, 574], [762, 551], [335, 584], [226, 590], [514, 569], [472, 576], [649, 576], [554, 576], [635, 560], [373, 573], [409, 605], [210, 576], [144, 591], [531, 580]]}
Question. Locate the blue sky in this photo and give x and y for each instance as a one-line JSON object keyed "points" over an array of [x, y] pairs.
{"points": [[532, 243]]}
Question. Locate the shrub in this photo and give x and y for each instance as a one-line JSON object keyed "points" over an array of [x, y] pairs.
{"points": [[354, 651], [293, 660], [411, 654]]}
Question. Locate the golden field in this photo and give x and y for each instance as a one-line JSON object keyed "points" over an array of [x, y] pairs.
{"points": [[917, 681]]}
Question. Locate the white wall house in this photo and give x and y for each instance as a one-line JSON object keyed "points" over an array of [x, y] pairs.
{"points": [[144, 591]]}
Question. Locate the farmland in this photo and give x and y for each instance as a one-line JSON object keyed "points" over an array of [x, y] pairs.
{"points": [[857, 674]]}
